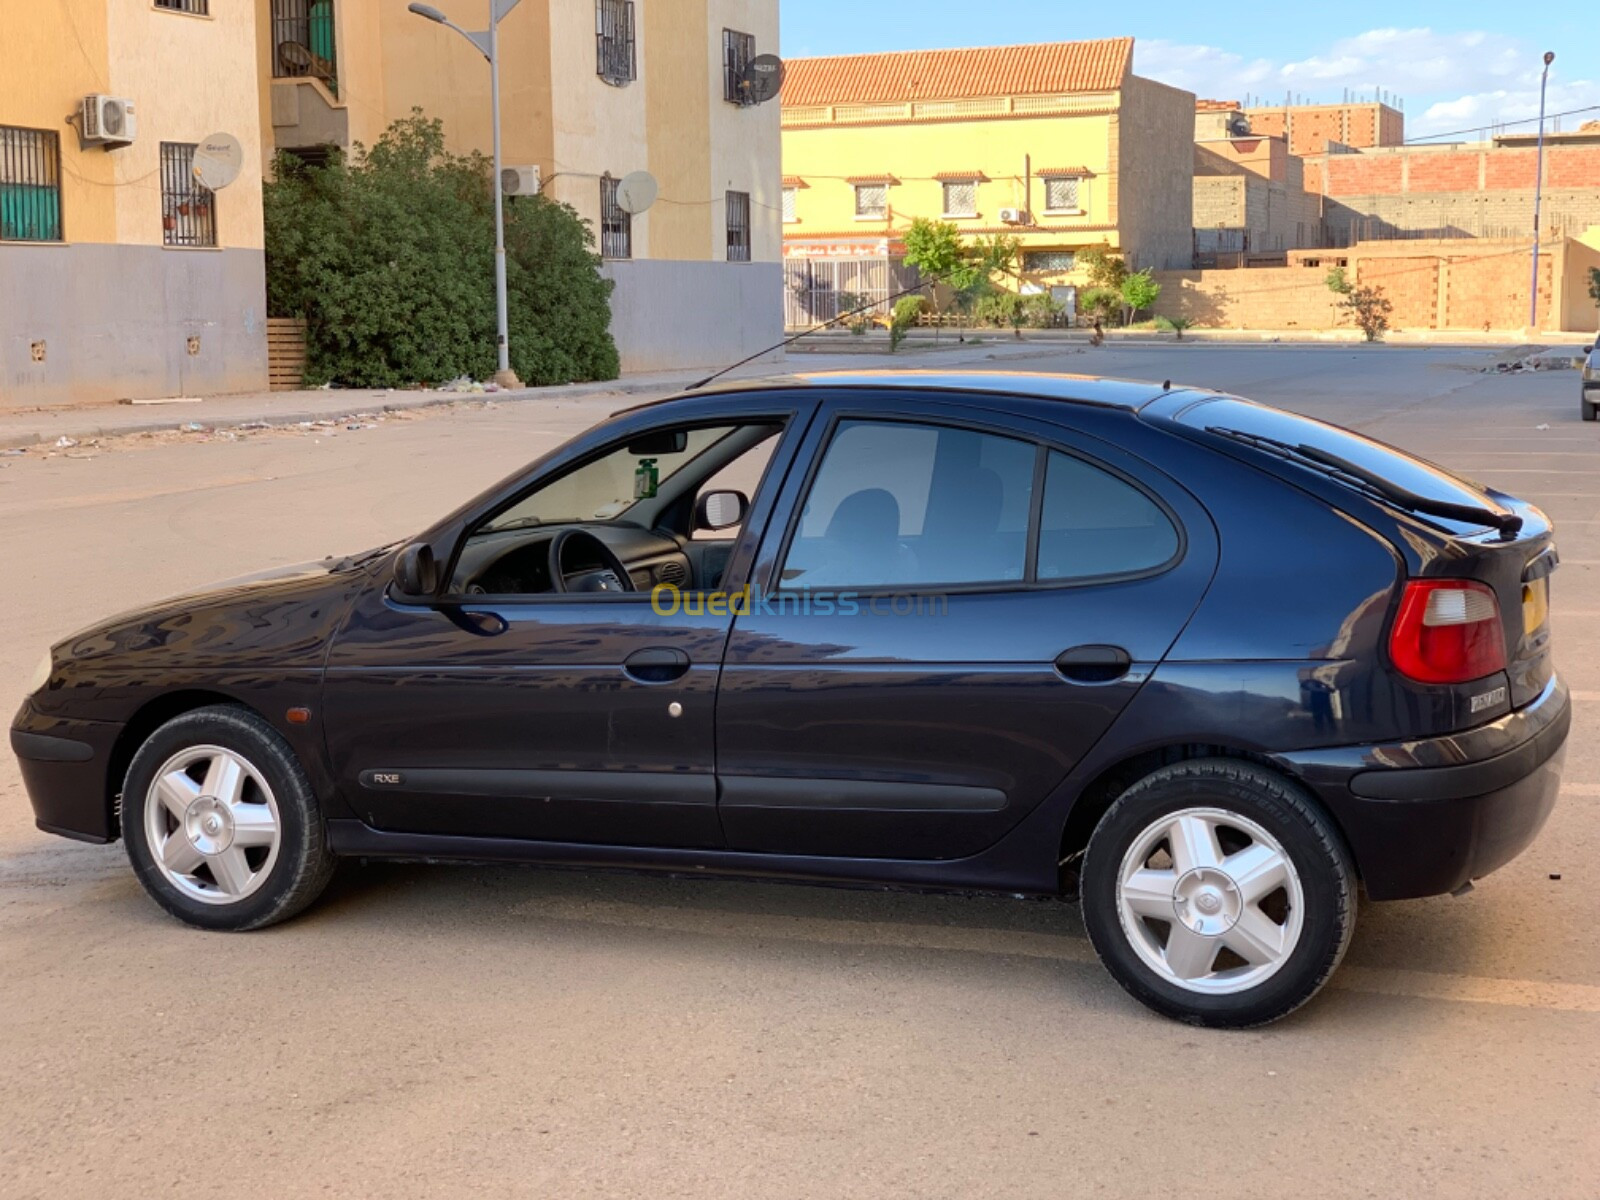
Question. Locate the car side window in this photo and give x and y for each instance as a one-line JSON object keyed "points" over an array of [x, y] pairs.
{"points": [[1095, 524], [896, 504]]}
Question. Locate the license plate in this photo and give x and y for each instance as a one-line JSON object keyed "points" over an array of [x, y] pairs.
{"points": [[1535, 605]]}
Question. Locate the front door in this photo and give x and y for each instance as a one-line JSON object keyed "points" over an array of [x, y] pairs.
{"points": [[506, 708], [956, 613]]}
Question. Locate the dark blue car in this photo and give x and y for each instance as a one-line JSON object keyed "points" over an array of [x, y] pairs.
{"points": [[1211, 667]]}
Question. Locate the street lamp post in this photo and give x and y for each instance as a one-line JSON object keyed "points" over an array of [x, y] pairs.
{"points": [[488, 45], [1538, 195]]}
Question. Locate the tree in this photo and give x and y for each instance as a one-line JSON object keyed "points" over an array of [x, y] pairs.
{"points": [[1102, 296], [935, 249], [389, 256], [1594, 284], [1138, 291], [1367, 304]]}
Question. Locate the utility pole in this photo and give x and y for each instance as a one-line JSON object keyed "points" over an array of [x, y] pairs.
{"points": [[488, 45], [1538, 196]]}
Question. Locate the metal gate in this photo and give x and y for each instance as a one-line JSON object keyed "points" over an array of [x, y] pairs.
{"points": [[823, 289]]}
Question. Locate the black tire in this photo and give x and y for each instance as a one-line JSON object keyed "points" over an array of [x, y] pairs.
{"points": [[303, 864], [1308, 839], [1591, 409]]}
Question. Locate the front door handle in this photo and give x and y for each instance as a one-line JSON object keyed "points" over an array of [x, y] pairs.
{"points": [[1094, 664], [656, 664]]}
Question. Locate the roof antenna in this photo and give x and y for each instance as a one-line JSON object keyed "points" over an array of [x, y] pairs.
{"points": [[789, 341], [1166, 385]]}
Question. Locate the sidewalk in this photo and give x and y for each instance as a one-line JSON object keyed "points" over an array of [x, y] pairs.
{"points": [[28, 427]]}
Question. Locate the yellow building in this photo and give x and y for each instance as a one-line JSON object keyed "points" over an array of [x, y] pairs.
{"points": [[1059, 145], [119, 275], [591, 90]]}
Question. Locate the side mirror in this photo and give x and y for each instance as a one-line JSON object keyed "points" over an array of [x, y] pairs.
{"points": [[720, 510], [416, 572]]}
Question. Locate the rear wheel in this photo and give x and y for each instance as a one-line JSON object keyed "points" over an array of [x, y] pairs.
{"points": [[1217, 893], [220, 822], [1591, 409]]}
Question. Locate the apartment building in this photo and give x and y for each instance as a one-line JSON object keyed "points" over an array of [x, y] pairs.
{"points": [[1058, 144], [591, 90], [120, 276]]}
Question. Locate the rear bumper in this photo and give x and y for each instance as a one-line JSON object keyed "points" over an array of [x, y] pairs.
{"points": [[1423, 818], [64, 767]]}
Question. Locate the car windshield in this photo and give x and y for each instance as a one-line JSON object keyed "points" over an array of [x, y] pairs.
{"points": [[605, 488]]}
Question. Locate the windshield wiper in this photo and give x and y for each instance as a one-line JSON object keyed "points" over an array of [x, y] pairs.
{"points": [[1354, 474]]}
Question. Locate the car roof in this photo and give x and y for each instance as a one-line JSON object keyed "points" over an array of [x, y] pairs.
{"points": [[1127, 394]]}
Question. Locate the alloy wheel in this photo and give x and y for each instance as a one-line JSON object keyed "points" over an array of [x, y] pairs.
{"points": [[212, 824]]}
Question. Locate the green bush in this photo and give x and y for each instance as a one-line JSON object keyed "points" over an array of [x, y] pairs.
{"points": [[389, 257], [906, 311]]}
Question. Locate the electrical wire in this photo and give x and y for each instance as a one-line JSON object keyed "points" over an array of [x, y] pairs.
{"points": [[1500, 125]]}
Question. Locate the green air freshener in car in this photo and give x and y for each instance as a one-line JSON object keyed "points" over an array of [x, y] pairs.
{"points": [[645, 479]]}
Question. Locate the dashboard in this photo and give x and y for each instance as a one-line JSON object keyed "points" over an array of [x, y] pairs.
{"points": [[516, 562]]}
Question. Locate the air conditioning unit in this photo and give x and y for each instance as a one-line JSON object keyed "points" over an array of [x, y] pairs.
{"points": [[1014, 216], [519, 181], [108, 121]]}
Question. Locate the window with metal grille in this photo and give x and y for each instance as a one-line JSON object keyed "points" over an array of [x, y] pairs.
{"points": [[872, 199], [188, 207], [613, 35], [198, 8], [738, 226], [303, 43], [737, 51], [1061, 194], [790, 198], [30, 185], [961, 198], [616, 226], [1049, 260]]}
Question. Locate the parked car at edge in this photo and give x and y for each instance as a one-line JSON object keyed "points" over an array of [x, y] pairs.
{"points": [[1211, 667], [1589, 384]]}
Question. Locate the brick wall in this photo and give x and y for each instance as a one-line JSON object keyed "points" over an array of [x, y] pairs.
{"points": [[1264, 298], [1427, 169], [1310, 127], [1492, 292], [1410, 284]]}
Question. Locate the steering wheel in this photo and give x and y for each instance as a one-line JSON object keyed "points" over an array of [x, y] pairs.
{"points": [[612, 577]]}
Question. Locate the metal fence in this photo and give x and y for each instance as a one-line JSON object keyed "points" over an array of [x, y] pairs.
{"points": [[821, 290], [30, 185], [303, 43], [737, 51], [197, 8], [188, 208]]}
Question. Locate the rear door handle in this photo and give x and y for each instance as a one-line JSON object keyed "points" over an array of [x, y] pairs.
{"points": [[1094, 664], [656, 664]]}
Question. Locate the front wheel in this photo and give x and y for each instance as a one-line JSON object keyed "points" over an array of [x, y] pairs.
{"points": [[221, 824], [1216, 892]]}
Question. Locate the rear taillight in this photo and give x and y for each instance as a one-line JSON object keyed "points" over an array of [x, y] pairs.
{"points": [[1448, 631]]}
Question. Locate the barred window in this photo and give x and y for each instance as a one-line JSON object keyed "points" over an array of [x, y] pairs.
{"points": [[738, 49], [304, 44], [613, 31], [961, 198], [1061, 194], [738, 226], [1049, 260], [188, 207], [198, 8], [616, 226], [790, 198], [30, 185], [872, 199]]}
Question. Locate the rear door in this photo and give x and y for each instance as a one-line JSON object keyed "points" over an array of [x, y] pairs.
{"points": [[950, 609]]}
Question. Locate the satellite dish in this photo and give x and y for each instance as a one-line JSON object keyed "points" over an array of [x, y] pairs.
{"points": [[637, 192], [218, 160], [763, 78]]}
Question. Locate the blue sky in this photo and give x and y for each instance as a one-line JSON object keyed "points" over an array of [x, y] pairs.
{"points": [[1456, 65]]}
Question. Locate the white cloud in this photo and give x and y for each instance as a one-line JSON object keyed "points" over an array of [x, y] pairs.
{"points": [[1448, 80]]}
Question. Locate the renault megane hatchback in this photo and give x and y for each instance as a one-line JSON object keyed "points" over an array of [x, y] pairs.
{"points": [[1211, 667]]}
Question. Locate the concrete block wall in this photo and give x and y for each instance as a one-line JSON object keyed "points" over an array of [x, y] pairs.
{"points": [[1264, 298]]}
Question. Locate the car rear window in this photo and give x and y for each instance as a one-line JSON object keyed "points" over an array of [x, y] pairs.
{"points": [[1406, 470]]}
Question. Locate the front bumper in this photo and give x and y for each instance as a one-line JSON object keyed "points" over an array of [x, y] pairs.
{"points": [[65, 766], [1423, 818]]}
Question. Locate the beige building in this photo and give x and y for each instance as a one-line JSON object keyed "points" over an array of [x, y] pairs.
{"points": [[591, 90], [1251, 204], [1058, 145], [120, 277]]}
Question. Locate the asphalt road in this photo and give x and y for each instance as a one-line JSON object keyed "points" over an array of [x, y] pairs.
{"points": [[498, 1032]]}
